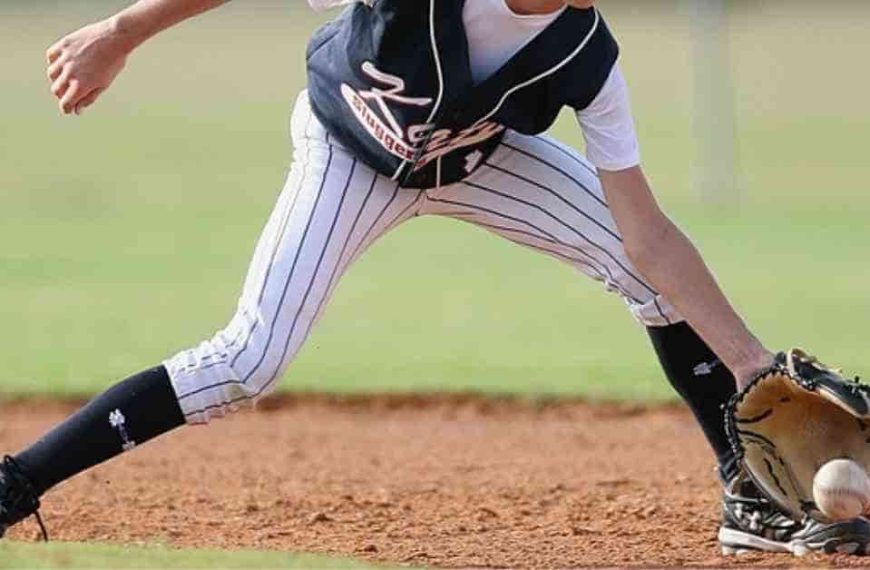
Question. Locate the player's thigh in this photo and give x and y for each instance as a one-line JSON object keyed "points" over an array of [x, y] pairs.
{"points": [[545, 195], [332, 208]]}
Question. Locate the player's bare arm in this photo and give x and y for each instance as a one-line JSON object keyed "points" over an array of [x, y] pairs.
{"points": [[84, 63], [669, 260]]}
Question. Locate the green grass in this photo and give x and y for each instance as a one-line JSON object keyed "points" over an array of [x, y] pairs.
{"points": [[124, 235], [72, 555]]}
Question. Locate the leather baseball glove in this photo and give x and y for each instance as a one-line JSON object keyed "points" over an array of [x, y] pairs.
{"points": [[791, 420]]}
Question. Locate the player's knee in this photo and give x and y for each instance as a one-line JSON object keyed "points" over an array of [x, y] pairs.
{"points": [[269, 345], [258, 360], [236, 367], [219, 375], [258, 379]]}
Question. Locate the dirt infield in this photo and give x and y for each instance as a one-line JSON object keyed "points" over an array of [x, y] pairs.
{"points": [[431, 482]]}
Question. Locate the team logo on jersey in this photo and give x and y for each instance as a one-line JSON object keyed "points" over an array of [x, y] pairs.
{"points": [[386, 131], [372, 108]]}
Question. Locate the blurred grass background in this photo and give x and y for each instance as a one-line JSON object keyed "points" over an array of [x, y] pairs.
{"points": [[125, 234]]}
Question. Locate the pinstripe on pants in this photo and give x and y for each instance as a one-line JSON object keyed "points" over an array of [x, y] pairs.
{"points": [[533, 191]]}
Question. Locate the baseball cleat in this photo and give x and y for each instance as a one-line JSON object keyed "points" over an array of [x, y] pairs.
{"points": [[750, 522], [18, 500]]}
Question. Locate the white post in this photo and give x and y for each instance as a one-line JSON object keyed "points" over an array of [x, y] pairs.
{"points": [[714, 120]]}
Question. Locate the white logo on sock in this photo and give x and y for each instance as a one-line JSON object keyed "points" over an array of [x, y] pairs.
{"points": [[119, 422], [706, 368]]}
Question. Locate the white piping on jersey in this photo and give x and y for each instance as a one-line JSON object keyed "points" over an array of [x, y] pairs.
{"points": [[438, 68], [545, 74], [395, 176], [440, 72]]}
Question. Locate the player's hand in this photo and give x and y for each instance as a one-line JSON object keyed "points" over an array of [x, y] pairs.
{"points": [[84, 64]]}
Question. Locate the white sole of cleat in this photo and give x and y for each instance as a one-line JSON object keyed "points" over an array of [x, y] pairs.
{"points": [[734, 551], [735, 542]]}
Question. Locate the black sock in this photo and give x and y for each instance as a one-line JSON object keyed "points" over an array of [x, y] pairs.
{"points": [[704, 383], [130, 413]]}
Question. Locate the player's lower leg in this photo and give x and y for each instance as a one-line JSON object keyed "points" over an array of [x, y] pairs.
{"points": [[130, 413], [705, 384], [749, 520]]}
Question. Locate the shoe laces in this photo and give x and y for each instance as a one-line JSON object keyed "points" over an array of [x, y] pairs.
{"points": [[19, 496], [758, 513]]}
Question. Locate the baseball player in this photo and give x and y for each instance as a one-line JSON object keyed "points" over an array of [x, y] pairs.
{"points": [[432, 107]]}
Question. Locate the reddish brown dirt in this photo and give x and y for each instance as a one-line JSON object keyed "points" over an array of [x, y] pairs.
{"points": [[446, 482]]}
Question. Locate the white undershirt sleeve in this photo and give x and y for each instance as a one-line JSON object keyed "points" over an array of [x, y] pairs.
{"points": [[608, 126]]}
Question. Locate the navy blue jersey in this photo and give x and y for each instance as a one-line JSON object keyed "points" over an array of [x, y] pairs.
{"points": [[392, 82]]}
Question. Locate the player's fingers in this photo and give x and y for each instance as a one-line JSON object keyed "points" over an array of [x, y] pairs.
{"points": [[70, 97], [60, 84], [87, 101], [54, 69], [54, 52]]}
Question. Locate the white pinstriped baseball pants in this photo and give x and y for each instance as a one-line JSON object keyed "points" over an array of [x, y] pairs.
{"points": [[533, 191]]}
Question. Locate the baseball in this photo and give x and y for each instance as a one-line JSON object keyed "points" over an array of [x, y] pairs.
{"points": [[841, 489]]}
